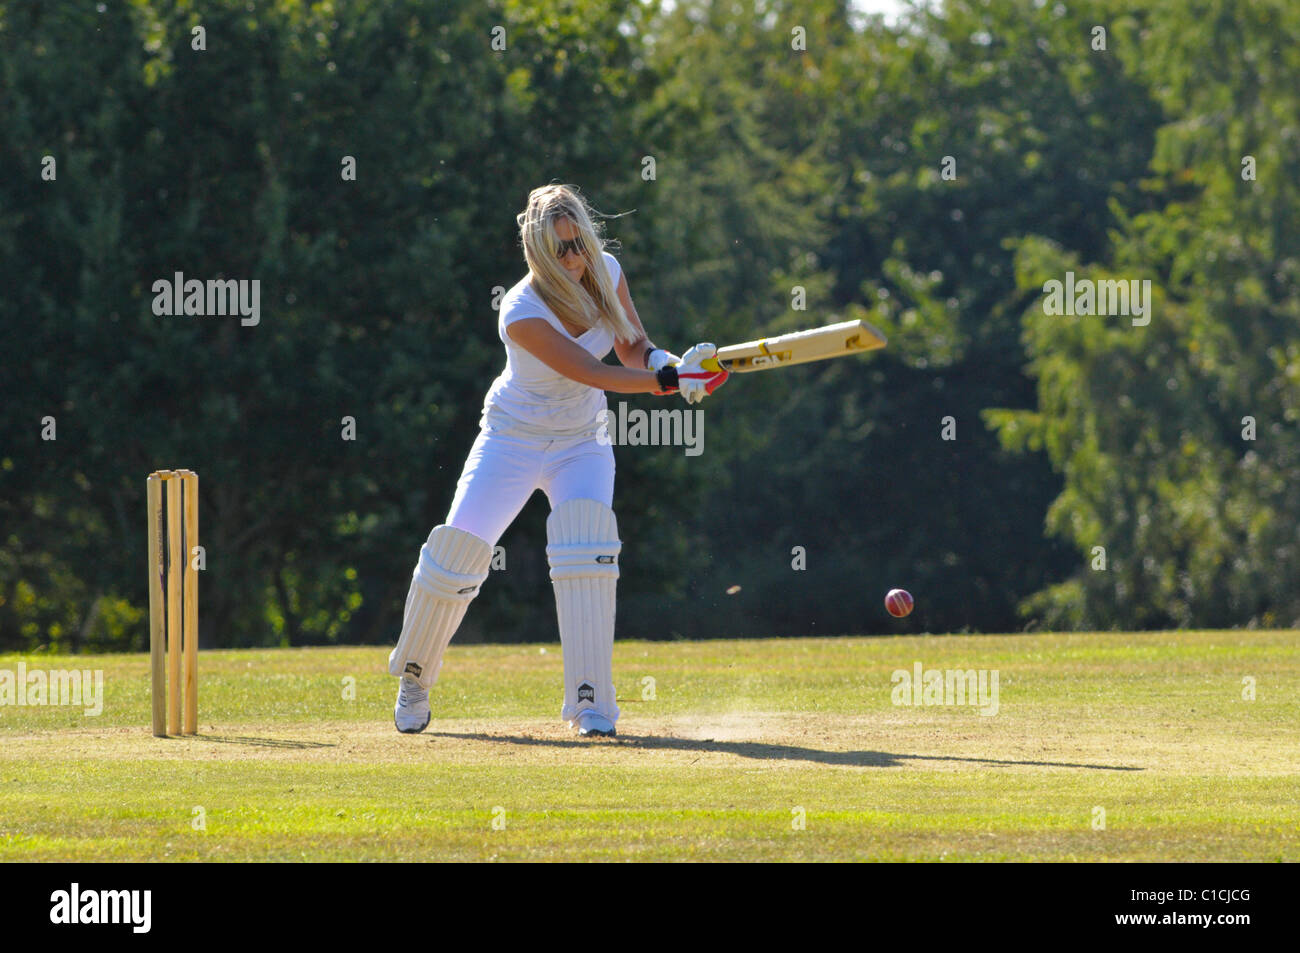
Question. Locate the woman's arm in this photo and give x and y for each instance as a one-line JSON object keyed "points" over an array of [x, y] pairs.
{"points": [[633, 354], [538, 338]]}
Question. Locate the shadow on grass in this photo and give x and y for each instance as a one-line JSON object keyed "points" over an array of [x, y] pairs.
{"points": [[262, 742], [765, 752]]}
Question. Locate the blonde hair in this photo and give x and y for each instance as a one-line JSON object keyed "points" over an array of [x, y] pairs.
{"points": [[593, 300]]}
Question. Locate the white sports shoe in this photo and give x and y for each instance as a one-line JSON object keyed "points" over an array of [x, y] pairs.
{"points": [[411, 713], [592, 723]]}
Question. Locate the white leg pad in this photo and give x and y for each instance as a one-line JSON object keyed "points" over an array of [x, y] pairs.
{"points": [[582, 548], [453, 565]]}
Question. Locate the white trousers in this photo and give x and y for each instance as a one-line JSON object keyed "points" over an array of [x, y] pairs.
{"points": [[504, 468], [501, 473]]}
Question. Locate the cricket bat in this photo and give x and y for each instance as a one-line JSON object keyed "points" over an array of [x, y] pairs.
{"points": [[798, 347]]}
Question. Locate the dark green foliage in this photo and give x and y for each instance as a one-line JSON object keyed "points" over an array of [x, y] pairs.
{"points": [[774, 168]]}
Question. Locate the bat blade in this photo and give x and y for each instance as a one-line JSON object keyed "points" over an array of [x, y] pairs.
{"points": [[801, 347]]}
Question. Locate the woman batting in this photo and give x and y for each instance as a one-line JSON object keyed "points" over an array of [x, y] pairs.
{"points": [[538, 431]]}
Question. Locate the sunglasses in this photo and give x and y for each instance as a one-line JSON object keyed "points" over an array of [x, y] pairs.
{"points": [[572, 244]]}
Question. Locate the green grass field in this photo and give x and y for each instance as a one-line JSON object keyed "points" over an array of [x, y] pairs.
{"points": [[297, 758]]}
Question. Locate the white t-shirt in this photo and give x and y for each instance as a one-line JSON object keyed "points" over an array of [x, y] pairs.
{"points": [[530, 398]]}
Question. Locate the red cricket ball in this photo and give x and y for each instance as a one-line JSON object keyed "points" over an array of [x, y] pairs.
{"points": [[898, 602]]}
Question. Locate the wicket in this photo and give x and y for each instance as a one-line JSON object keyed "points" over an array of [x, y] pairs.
{"points": [[173, 599]]}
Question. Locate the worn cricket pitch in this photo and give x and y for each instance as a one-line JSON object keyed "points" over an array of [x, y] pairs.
{"points": [[737, 750]]}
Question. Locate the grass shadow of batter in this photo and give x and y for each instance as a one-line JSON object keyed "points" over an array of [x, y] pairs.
{"points": [[767, 752]]}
